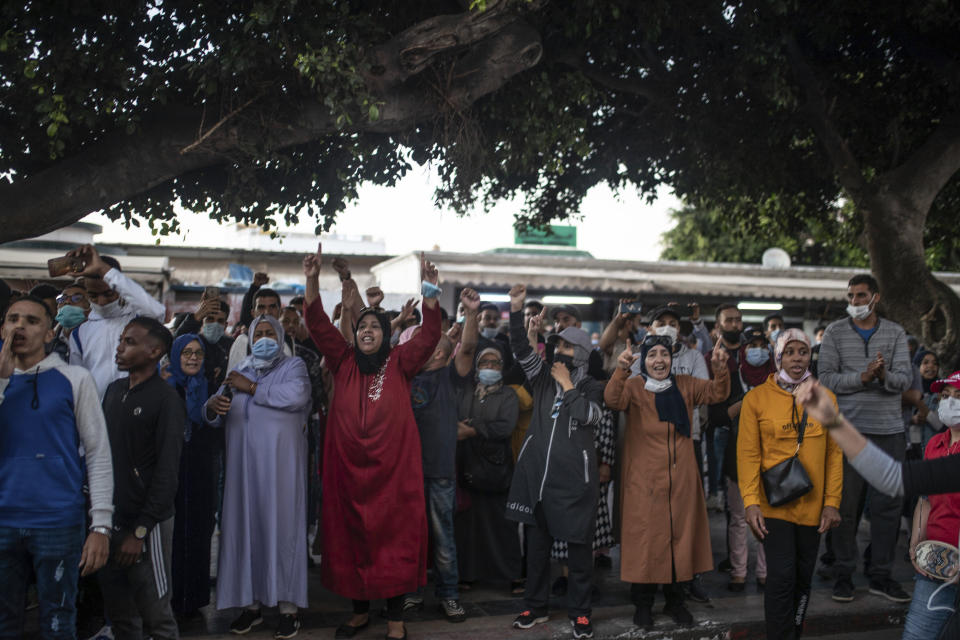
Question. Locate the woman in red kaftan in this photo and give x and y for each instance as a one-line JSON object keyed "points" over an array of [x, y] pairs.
{"points": [[373, 519]]}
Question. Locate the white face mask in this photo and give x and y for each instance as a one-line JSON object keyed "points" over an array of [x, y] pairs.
{"points": [[656, 386], [949, 411], [108, 310], [859, 312], [667, 330]]}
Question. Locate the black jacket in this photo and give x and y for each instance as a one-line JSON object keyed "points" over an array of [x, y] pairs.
{"points": [[145, 425], [557, 464]]}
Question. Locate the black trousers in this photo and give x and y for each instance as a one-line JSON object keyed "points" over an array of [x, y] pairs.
{"points": [[394, 608], [579, 562], [791, 557], [884, 517], [643, 593]]}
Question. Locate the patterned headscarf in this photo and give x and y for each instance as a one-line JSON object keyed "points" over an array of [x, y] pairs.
{"points": [[787, 336]]}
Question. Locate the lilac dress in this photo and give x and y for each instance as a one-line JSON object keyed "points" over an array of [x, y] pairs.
{"points": [[263, 541]]}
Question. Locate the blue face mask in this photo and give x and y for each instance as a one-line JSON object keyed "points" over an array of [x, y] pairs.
{"points": [[489, 376], [70, 316], [774, 335], [489, 333], [265, 348], [757, 356], [212, 332]]}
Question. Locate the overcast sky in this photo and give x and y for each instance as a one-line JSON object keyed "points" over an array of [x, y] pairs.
{"points": [[612, 227]]}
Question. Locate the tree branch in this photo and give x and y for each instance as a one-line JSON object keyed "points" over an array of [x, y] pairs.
{"points": [[121, 166], [928, 169], [653, 91], [844, 163]]}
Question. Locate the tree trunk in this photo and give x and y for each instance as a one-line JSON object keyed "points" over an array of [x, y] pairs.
{"points": [[910, 294]]}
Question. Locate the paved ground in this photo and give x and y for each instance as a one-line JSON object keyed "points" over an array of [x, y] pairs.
{"points": [[491, 609]]}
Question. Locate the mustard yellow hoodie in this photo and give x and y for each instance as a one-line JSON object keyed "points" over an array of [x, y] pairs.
{"points": [[767, 438]]}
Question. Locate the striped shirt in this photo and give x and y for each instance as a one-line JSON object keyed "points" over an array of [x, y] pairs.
{"points": [[873, 408]]}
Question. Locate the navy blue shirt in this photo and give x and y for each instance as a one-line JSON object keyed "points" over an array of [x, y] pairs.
{"points": [[433, 395]]}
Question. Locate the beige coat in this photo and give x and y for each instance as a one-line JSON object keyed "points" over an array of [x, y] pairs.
{"points": [[664, 513]]}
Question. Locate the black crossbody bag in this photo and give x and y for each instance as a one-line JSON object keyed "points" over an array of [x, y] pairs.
{"points": [[788, 480]]}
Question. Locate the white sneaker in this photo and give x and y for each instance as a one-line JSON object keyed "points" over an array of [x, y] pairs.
{"points": [[105, 633]]}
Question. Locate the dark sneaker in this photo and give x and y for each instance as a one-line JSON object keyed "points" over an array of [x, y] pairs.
{"points": [[843, 590], [680, 614], [695, 590], [737, 587], [412, 601], [725, 566], [889, 589], [529, 619], [603, 562], [582, 627], [643, 618], [559, 587], [289, 626], [246, 621], [452, 610]]}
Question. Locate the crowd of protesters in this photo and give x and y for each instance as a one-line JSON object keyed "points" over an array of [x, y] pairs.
{"points": [[477, 449]]}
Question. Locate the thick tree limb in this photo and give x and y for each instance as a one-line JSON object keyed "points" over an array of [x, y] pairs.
{"points": [[649, 89], [929, 168], [844, 163], [121, 166]]}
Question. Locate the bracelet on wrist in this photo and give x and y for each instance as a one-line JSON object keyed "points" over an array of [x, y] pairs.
{"points": [[835, 422]]}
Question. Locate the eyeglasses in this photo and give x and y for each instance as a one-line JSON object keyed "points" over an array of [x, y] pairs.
{"points": [[663, 341], [191, 353], [75, 297]]}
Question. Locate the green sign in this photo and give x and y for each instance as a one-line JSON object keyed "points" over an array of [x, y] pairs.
{"points": [[555, 235]]}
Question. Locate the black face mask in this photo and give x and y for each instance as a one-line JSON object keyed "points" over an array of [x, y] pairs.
{"points": [[732, 337], [565, 360]]}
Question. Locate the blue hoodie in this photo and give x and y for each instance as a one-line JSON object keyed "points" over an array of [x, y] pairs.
{"points": [[51, 432]]}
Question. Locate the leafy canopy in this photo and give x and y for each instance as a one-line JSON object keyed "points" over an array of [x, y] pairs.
{"points": [[697, 94]]}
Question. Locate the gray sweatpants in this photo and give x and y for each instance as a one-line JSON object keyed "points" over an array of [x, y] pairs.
{"points": [[137, 598]]}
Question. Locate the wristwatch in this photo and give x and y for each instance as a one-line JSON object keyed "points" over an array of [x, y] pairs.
{"points": [[140, 532], [104, 530]]}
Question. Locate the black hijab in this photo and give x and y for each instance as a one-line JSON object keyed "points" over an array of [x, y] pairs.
{"points": [[669, 403], [371, 363]]}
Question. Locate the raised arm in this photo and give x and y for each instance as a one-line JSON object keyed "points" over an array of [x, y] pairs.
{"points": [[326, 336], [471, 333], [718, 388], [132, 293], [417, 351], [612, 331], [704, 341], [615, 395], [529, 359]]}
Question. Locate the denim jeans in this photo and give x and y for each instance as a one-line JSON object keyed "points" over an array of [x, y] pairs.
{"points": [[441, 495], [54, 555], [923, 624]]}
